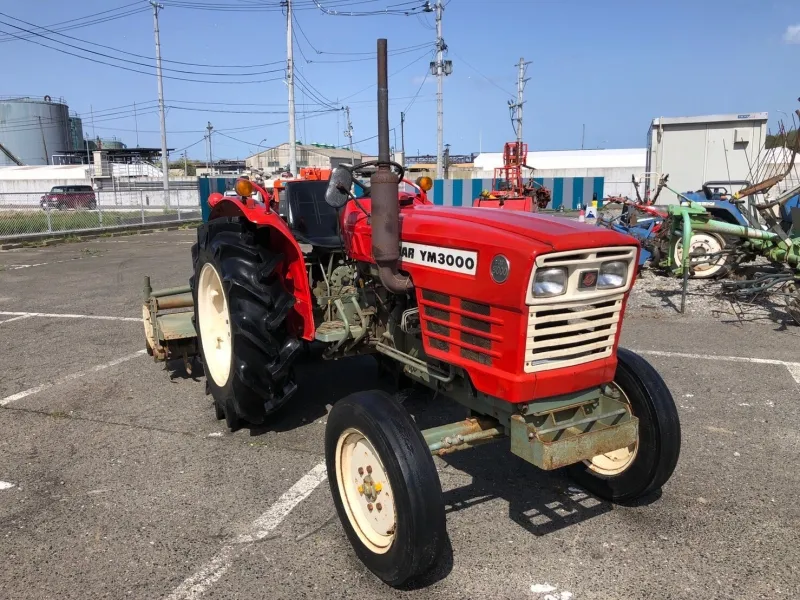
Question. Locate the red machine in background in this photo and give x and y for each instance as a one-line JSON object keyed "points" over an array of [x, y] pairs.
{"points": [[509, 191]]}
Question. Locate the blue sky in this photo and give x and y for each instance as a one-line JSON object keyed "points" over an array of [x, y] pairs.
{"points": [[612, 66]]}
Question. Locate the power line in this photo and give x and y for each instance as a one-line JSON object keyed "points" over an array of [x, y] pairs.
{"points": [[135, 11], [61, 50], [133, 62], [315, 94], [126, 52], [372, 13], [268, 6], [502, 89], [400, 70], [369, 55], [414, 98]]}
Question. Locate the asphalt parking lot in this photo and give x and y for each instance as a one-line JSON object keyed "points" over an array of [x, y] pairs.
{"points": [[116, 480]]}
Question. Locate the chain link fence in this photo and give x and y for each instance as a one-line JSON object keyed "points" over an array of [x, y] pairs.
{"points": [[63, 210]]}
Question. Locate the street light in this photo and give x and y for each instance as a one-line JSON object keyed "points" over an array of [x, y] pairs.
{"points": [[260, 166]]}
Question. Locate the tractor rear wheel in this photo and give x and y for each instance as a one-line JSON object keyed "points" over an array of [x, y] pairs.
{"points": [[240, 311], [644, 467], [385, 486]]}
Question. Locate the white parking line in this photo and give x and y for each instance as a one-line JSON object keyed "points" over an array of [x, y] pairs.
{"points": [[25, 315], [5, 485], [35, 390], [196, 585], [793, 367]]}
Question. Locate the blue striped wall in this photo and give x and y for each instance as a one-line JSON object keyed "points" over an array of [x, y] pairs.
{"points": [[568, 192]]}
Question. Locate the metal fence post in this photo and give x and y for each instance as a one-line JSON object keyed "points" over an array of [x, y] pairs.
{"points": [[178, 203], [99, 210], [141, 204], [49, 220]]}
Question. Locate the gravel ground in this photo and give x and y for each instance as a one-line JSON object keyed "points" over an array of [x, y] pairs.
{"points": [[659, 296]]}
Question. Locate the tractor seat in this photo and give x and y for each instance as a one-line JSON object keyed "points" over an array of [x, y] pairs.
{"points": [[311, 220]]}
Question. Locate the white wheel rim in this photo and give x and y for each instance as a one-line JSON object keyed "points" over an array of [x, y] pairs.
{"points": [[215, 329], [617, 461], [708, 244], [148, 327], [365, 491]]}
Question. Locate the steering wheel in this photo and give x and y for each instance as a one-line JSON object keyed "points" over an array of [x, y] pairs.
{"points": [[396, 167]]}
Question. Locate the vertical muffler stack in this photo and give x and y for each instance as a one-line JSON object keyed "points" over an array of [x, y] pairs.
{"points": [[384, 184]]}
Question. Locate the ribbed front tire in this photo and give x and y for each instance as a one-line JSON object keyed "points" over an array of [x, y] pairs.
{"points": [[246, 350]]}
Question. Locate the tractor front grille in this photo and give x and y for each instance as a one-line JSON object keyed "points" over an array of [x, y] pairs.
{"points": [[571, 333], [460, 327], [582, 324]]}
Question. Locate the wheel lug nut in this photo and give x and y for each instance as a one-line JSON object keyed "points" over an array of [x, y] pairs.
{"points": [[379, 506], [360, 470], [369, 507], [369, 469]]}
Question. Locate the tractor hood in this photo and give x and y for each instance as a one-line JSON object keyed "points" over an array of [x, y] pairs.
{"points": [[557, 233]]}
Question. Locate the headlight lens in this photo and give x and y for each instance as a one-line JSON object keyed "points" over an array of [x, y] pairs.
{"points": [[549, 282], [613, 274]]}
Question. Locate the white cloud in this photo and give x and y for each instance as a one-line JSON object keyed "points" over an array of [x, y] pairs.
{"points": [[792, 35]]}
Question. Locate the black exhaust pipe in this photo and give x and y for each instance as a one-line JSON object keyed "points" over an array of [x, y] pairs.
{"points": [[384, 185]]}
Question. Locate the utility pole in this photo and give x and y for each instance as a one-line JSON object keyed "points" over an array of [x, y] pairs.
{"points": [[403, 136], [209, 127], [348, 133], [521, 81], [516, 107], [185, 165], [290, 84], [440, 68], [136, 124], [164, 158]]}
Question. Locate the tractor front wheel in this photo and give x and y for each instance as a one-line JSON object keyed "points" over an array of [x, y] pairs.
{"points": [[705, 244], [644, 467], [240, 312], [385, 486]]}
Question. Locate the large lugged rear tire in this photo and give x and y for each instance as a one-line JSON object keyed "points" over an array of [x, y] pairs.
{"points": [[240, 312], [385, 486], [631, 473]]}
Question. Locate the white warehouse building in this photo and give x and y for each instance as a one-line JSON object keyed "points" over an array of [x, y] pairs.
{"points": [[615, 166]]}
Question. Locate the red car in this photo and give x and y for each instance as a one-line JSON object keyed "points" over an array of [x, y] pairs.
{"points": [[69, 196]]}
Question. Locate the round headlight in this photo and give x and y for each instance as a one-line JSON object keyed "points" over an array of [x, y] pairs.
{"points": [[613, 274], [549, 282]]}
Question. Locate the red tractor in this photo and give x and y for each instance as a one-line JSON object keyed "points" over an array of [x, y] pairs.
{"points": [[509, 191], [515, 316]]}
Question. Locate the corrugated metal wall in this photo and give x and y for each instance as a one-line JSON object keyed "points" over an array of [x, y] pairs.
{"points": [[568, 192]]}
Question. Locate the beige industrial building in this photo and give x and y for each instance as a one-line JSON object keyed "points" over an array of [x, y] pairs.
{"points": [[308, 155]]}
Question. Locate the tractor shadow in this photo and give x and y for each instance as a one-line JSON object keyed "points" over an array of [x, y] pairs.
{"points": [[321, 383], [538, 501]]}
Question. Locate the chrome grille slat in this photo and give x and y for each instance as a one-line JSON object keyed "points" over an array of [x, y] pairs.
{"points": [[571, 332]]}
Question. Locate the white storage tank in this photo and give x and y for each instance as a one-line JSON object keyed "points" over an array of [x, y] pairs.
{"points": [[33, 129]]}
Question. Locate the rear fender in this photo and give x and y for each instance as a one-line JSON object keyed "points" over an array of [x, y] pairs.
{"points": [[725, 211], [293, 267]]}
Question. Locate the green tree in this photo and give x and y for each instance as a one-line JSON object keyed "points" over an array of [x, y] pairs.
{"points": [[776, 141], [191, 166]]}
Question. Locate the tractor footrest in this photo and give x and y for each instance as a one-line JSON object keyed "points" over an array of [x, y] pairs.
{"points": [[335, 331], [562, 436]]}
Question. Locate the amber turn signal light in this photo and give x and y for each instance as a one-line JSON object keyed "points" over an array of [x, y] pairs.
{"points": [[425, 183], [244, 188]]}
